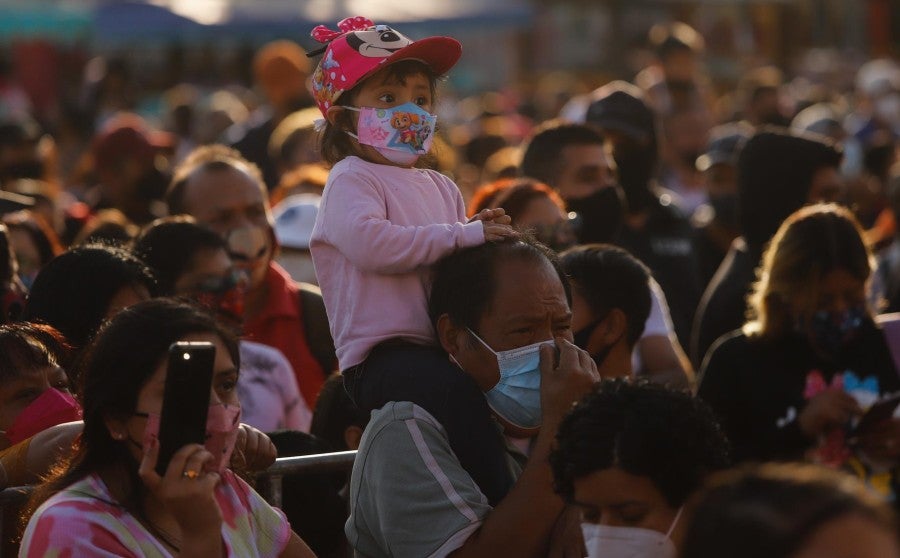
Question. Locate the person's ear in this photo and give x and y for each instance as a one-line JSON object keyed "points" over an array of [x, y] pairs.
{"points": [[449, 335], [352, 436], [616, 326], [333, 113], [117, 427]]}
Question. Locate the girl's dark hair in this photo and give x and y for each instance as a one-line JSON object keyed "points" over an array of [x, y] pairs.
{"points": [[336, 144], [169, 245], [25, 346], [73, 291], [119, 362], [643, 429], [772, 510]]}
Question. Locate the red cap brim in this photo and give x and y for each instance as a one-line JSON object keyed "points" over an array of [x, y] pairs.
{"points": [[439, 53]]}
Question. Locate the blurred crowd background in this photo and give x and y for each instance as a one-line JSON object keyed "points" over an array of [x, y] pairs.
{"points": [[99, 100]]}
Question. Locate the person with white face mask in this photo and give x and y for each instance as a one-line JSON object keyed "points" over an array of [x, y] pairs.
{"points": [[629, 456], [501, 313]]}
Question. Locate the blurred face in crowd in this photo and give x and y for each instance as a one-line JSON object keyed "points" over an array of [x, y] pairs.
{"points": [[680, 66], [213, 280], [230, 202], [129, 295], [826, 186], [549, 223], [21, 390], [616, 498], [584, 170]]}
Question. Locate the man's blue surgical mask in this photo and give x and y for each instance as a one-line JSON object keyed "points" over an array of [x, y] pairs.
{"points": [[517, 396]]}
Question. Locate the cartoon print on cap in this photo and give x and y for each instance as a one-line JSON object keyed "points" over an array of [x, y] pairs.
{"points": [[381, 42]]}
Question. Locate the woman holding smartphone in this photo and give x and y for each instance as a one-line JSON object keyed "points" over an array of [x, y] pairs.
{"points": [[109, 500], [793, 382]]}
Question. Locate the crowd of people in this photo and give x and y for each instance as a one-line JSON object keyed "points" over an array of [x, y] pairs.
{"points": [[649, 320]]}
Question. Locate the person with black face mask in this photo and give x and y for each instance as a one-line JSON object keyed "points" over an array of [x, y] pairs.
{"points": [[655, 231], [574, 160], [571, 159], [793, 383], [610, 304], [717, 221]]}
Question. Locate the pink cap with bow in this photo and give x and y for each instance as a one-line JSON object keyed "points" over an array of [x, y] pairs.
{"points": [[360, 48]]}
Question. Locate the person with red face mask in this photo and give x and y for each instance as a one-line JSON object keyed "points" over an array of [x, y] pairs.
{"points": [[109, 500], [192, 261], [34, 395]]}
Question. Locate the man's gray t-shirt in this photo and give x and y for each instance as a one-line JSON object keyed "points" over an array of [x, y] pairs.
{"points": [[409, 496]]}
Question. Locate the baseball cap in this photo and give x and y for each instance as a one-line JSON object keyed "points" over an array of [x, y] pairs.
{"points": [[128, 135], [725, 143], [620, 106], [295, 217], [360, 48]]}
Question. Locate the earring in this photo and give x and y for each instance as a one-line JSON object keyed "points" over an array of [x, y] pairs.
{"points": [[118, 436]]}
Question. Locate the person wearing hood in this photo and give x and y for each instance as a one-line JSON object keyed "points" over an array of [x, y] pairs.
{"points": [[654, 229], [778, 173]]}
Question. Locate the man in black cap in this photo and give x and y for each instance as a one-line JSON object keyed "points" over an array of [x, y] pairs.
{"points": [[654, 230], [716, 222]]}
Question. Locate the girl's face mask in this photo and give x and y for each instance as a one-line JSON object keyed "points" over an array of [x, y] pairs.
{"points": [[222, 422], [400, 134]]}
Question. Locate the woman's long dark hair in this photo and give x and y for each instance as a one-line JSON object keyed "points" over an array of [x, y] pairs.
{"points": [[120, 361]]}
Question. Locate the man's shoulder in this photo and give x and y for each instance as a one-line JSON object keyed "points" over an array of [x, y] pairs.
{"points": [[400, 414]]}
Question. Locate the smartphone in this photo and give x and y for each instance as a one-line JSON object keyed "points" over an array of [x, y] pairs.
{"points": [[880, 411], [185, 398]]}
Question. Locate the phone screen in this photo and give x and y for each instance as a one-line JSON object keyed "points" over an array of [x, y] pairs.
{"points": [[186, 398]]}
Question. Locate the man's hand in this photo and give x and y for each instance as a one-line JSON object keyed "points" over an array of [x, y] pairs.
{"points": [[565, 382]]}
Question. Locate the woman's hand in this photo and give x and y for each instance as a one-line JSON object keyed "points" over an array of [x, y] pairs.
{"points": [[253, 450], [881, 441], [188, 495], [827, 410]]}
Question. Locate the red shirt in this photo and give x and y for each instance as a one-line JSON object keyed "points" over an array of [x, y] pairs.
{"points": [[280, 325]]}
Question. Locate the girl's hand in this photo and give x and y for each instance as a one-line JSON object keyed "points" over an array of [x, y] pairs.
{"points": [[187, 492], [827, 410], [494, 232], [497, 215]]}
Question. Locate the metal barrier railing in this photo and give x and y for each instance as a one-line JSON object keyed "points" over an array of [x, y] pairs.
{"points": [[303, 464], [284, 466]]}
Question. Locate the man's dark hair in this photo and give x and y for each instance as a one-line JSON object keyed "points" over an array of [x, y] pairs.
{"points": [[541, 159], [334, 413], [667, 39], [608, 277], [464, 283], [169, 245], [644, 429], [208, 158]]}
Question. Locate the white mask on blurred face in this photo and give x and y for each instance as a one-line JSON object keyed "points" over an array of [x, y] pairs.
{"points": [[606, 541]]}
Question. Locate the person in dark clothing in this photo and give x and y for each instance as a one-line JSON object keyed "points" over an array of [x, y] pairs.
{"points": [[789, 386], [654, 230], [280, 69], [716, 223], [778, 173]]}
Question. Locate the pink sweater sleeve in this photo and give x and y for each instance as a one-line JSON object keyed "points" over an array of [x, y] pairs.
{"points": [[355, 222]]}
